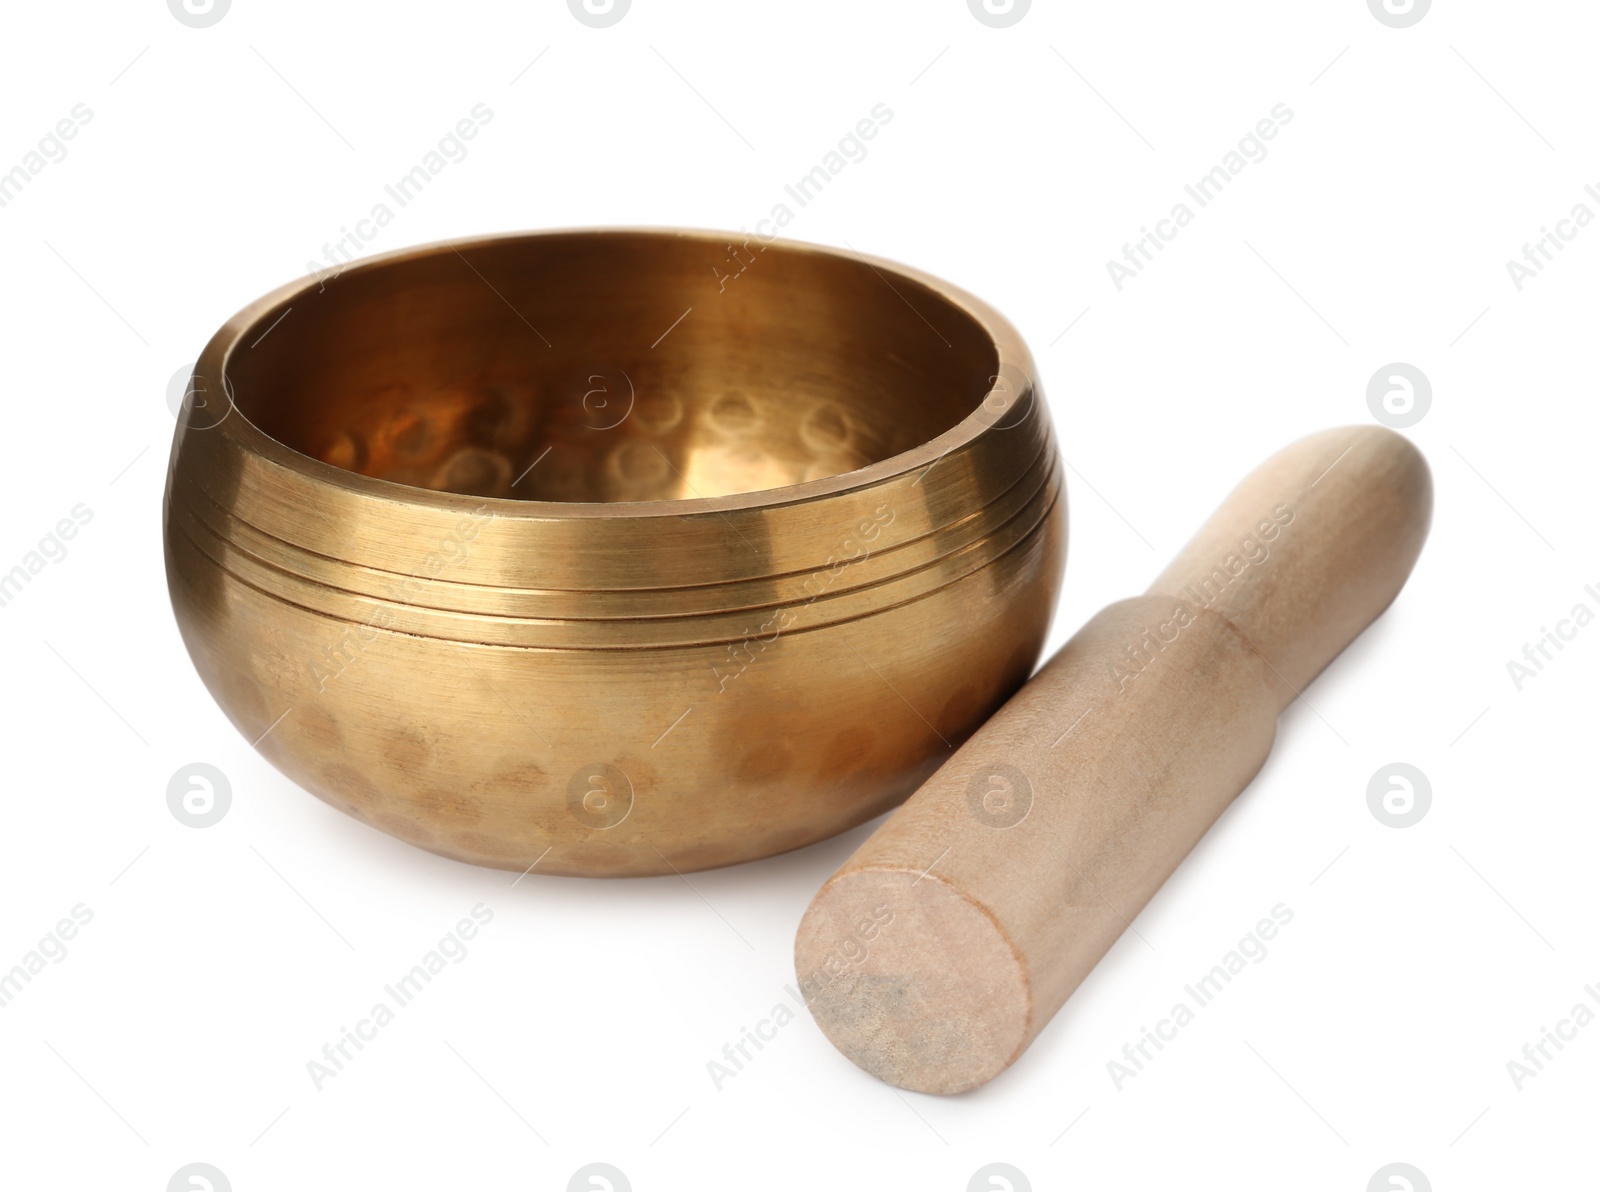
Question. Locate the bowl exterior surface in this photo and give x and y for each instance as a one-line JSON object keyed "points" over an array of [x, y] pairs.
{"points": [[613, 689]]}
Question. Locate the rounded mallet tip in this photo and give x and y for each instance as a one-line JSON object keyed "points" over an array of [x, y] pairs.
{"points": [[913, 980]]}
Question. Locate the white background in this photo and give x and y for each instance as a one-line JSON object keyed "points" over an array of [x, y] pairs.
{"points": [[219, 161]]}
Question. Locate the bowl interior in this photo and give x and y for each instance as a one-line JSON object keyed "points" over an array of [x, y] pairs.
{"points": [[611, 366]]}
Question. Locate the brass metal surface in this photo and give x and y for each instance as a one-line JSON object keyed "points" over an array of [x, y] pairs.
{"points": [[613, 552]]}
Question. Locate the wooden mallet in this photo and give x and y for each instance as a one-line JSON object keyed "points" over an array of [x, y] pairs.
{"points": [[953, 935]]}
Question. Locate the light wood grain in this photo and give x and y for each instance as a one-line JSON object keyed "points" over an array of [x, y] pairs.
{"points": [[948, 941]]}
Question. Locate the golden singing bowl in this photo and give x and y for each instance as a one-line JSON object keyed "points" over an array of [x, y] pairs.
{"points": [[613, 552]]}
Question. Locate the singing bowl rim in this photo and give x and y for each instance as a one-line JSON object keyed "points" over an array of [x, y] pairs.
{"points": [[253, 320]]}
